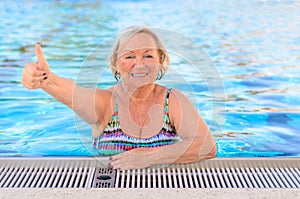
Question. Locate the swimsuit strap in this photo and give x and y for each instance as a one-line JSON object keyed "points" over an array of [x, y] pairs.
{"points": [[115, 116], [167, 101], [116, 110]]}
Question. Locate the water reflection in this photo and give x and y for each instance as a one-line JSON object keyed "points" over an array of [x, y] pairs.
{"points": [[254, 44]]}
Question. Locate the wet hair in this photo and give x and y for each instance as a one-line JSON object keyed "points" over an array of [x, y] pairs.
{"points": [[127, 34]]}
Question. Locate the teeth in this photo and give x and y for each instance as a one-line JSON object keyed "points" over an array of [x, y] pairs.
{"points": [[139, 74]]}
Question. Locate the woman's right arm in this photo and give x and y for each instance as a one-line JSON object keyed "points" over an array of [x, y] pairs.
{"points": [[89, 104]]}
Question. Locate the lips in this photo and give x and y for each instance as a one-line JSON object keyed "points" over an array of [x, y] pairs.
{"points": [[138, 74]]}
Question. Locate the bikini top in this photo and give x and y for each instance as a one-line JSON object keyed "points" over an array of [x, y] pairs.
{"points": [[113, 141]]}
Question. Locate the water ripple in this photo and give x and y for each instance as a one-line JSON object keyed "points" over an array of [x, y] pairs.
{"points": [[255, 46]]}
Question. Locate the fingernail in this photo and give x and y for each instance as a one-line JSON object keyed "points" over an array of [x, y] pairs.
{"points": [[45, 78], [44, 73], [110, 158], [110, 166]]}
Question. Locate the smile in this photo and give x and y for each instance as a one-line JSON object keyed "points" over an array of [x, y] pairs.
{"points": [[138, 74]]}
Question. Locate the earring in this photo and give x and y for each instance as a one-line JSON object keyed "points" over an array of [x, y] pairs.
{"points": [[117, 76], [159, 75]]}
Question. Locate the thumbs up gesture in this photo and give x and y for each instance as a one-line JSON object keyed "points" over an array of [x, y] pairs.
{"points": [[36, 75]]}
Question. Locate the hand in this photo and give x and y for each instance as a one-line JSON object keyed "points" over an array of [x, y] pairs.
{"points": [[36, 75], [133, 159]]}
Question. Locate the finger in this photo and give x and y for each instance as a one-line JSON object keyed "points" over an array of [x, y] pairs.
{"points": [[117, 163], [120, 156], [37, 79], [29, 78], [31, 70], [40, 56], [116, 157], [128, 166], [117, 166], [37, 73], [114, 164], [31, 86]]}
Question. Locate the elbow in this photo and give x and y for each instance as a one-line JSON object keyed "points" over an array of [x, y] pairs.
{"points": [[200, 151], [212, 153], [207, 150]]}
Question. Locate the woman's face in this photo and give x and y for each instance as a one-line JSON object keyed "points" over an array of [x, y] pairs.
{"points": [[139, 60]]}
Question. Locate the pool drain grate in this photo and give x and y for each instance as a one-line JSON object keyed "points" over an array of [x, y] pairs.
{"points": [[201, 177], [104, 178]]}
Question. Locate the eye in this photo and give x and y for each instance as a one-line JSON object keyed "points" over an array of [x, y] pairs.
{"points": [[129, 57], [148, 56]]}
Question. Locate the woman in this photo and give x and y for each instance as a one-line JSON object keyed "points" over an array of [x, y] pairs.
{"points": [[137, 122]]}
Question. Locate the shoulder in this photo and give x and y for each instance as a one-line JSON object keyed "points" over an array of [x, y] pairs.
{"points": [[177, 97], [179, 104]]}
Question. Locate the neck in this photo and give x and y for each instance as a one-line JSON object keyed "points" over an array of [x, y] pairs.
{"points": [[139, 94]]}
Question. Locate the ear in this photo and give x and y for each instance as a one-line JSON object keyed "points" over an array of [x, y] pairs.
{"points": [[117, 65], [160, 66], [161, 59]]}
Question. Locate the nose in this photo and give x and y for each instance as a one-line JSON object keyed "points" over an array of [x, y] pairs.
{"points": [[139, 61]]}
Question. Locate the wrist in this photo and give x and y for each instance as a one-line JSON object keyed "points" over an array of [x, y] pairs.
{"points": [[48, 79]]}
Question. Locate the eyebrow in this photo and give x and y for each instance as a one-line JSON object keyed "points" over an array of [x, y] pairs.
{"points": [[128, 50]]}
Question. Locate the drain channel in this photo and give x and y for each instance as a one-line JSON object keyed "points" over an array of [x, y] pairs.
{"points": [[104, 178], [88, 172]]}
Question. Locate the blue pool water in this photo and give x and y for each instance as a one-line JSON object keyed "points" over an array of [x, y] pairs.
{"points": [[254, 45]]}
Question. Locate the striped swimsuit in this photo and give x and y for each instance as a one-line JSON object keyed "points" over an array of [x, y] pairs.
{"points": [[113, 141]]}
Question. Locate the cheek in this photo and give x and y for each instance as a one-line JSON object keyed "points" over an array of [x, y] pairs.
{"points": [[124, 66], [156, 66]]}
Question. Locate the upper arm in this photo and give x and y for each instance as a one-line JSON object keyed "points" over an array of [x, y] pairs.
{"points": [[185, 117], [190, 126], [91, 104]]}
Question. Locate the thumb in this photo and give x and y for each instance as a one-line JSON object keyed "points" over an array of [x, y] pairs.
{"points": [[42, 62]]}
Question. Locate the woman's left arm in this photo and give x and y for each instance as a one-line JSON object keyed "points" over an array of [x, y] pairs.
{"points": [[197, 140]]}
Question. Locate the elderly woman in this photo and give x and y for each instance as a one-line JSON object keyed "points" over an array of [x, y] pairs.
{"points": [[137, 122]]}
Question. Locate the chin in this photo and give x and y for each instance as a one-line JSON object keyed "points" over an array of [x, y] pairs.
{"points": [[140, 83]]}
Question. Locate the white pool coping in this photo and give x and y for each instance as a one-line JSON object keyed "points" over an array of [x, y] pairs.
{"points": [[8, 193]]}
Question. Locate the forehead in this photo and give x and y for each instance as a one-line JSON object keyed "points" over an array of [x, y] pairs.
{"points": [[139, 41]]}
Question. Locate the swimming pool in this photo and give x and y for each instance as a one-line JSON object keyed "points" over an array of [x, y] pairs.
{"points": [[255, 46]]}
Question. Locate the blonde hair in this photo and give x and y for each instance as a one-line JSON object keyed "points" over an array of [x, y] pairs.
{"points": [[128, 33]]}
